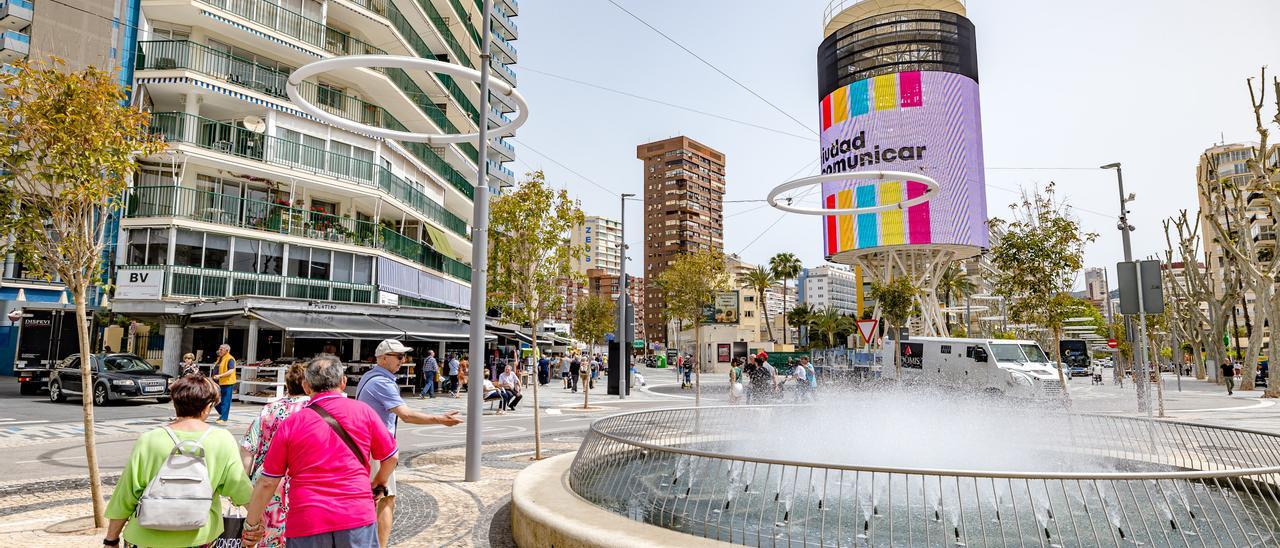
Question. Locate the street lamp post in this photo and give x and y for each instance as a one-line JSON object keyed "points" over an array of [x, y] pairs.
{"points": [[624, 375], [1141, 380], [479, 266]]}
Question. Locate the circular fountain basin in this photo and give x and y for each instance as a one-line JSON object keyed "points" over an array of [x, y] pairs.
{"points": [[855, 476]]}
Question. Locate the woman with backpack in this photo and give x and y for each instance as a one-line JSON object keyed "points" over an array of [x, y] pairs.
{"points": [[253, 449], [200, 464]]}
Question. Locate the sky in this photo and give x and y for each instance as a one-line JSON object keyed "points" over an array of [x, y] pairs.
{"points": [[1065, 87]]}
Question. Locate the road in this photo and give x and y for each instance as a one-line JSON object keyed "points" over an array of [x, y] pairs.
{"points": [[46, 438]]}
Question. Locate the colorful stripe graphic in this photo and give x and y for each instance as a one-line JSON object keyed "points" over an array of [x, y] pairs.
{"points": [[840, 105], [918, 215], [844, 200], [891, 222], [833, 243], [868, 231], [910, 93], [886, 92]]}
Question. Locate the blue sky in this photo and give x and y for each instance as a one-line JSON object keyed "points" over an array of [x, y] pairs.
{"points": [[1075, 85]]}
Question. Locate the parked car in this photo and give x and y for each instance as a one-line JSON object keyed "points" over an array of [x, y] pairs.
{"points": [[116, 376], [1078, 371]]}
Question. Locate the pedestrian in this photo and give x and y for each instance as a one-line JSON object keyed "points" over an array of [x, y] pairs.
{"points": [[325, 451], [564, 370], [575, 369], [1097, 374], [256, 442], [453, 375], [596, 366], [812, 375], [463, 367], [492, 391], [509, 380], [430, 368], [1229, 376], [379, 390], [193, 397], [188, 365], [224, 372], [544, 371], [735, 382], [760, 384], [763, 358]]}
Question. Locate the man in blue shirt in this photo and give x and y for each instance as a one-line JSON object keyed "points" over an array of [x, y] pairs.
{"points": [[429, 369], [378, 388]]}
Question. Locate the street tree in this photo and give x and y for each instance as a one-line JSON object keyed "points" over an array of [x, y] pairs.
{"points": [[1036, 260], [593, 317], [66, 157], [831, 323], [786, 266], [529, 259], [760, 280], [955, 282], [1217, 288], [897, 302], [1259, 268], [802, 317], [689, 284]]}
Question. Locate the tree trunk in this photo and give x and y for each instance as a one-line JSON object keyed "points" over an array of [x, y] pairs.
{"points": [[1057, 347], [1250, 367], [784, 311], [586, 386], [764, 311], [1273, 376], [78, 292], [537, 419]]}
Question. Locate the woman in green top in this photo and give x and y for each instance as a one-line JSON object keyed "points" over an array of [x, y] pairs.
{"points": [[193, 398]]}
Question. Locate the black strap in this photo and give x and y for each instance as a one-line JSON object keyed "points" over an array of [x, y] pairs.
{"points": [[342, 433]]}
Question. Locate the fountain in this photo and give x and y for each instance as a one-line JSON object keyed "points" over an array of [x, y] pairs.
{"points": [[923, 469]]}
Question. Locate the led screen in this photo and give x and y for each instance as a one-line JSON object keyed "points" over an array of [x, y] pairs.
{"points": [[917, 122]]}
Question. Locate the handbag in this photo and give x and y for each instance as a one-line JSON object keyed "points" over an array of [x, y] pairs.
{"points": [[232, 528]]}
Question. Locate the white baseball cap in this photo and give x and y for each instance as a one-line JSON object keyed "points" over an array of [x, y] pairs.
{"points": [[388, 346]]}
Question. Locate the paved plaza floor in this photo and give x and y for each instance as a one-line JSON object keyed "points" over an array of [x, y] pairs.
{"points": [[436, 508]]}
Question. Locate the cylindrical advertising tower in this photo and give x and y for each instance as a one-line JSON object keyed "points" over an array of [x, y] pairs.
{"points": [[898, 88]]}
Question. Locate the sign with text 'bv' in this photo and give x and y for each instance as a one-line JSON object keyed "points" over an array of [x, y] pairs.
{"points": [[135, 283]]}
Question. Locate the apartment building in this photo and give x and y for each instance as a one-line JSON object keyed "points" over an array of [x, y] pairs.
{"points": [[829, 287], [600, 238], [683, 211], [284, 236]]}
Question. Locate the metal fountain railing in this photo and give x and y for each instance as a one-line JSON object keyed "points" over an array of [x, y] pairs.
{"points": [[1180, 485]]}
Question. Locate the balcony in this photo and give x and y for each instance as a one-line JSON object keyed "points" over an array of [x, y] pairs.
{"points": [[502, 149], [188, 281], [177, 127], [14, 45], [503, 24], [506, 50], [497, 171], [337, 42], [15, 14], [233, 211], [465, 19], [504, 72], [512, 7]]}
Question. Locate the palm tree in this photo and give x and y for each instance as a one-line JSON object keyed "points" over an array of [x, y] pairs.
{"points": [[802, 317], [760, 280], [786, 266], [830, 323], [954, 281]]}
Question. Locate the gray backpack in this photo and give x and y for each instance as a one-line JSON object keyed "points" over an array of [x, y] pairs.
{"points": [[179, 497]]}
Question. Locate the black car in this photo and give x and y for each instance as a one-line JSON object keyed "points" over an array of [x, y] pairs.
{"points": [[114, 377]]}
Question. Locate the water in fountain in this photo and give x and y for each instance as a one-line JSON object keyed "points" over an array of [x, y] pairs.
{"points": [[928, 468]]}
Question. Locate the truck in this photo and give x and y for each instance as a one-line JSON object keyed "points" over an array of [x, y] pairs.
{"points": [[1017, 368], [45, 338]]}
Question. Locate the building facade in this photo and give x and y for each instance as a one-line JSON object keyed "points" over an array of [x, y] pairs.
{"points": [[829, 286], [603, 284], [683, 211], [259, 222], [600, 239]]}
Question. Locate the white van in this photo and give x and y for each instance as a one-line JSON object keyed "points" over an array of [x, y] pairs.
{"points": [[1011, 367]]}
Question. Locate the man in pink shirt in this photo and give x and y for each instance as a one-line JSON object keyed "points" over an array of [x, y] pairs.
{"points": [[325, 450]]}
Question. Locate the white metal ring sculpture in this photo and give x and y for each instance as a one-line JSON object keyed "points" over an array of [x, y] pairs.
{"points": [[930, 191], [408, 63]]}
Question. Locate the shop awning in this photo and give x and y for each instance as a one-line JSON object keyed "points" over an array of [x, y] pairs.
{"points": [[415, 329], [323, 325]]}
